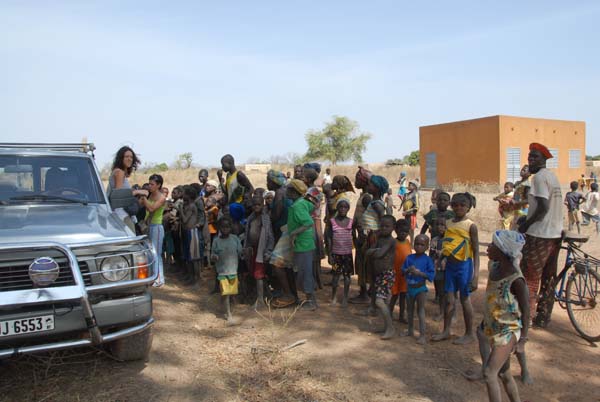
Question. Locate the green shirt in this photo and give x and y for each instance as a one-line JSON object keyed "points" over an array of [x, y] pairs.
{"points": [[433, 216], [299, 215]]}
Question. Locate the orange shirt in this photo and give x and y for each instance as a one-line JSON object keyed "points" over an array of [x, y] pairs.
{"points": [[403, 250]]}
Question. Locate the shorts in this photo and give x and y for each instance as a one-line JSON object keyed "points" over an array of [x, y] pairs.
{"points": [[383, 284], [413, 292], [256, 269], [342, 264], [458, 277], [439, 275], [573, 217], [228, 284]]}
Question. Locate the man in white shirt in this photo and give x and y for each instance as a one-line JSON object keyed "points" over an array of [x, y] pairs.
{"points": [[589, 210], [327, 178], [543, 231]]}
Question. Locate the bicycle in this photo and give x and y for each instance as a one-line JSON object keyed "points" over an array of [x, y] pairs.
{"points": [[581, 294]]}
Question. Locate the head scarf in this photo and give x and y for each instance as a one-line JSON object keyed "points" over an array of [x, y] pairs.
{"points": [[237, 212], [363, 174], [536, 146], [414, 182], [510, 243], [213, 183], [315, 194], [341, 198], [381, 183], [299, 186], [313, 165], [269, 194], [277, 177], [342, 183], [402, 174]]}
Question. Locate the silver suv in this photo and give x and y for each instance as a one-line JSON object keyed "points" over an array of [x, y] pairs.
{"points": [[71, 272]]}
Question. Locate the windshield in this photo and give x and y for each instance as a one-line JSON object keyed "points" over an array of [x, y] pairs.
{"points": [[48, 179]]}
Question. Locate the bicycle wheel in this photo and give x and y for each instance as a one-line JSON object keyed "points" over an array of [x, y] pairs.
{"points": [[583, 295]]}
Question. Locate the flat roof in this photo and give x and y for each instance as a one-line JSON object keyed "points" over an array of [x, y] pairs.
{"points": [[498, 116]]}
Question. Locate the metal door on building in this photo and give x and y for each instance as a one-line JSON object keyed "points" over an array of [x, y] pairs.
{"points": [[513, 164], [430, 170]]}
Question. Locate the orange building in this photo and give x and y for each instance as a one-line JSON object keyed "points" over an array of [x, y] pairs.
{"points": [[493, 149]]}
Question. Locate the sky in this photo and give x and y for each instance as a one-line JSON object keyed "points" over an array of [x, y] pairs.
{"points": [[250, 78]]}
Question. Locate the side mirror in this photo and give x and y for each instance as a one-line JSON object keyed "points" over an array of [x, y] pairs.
{"points": [[121, 198]]}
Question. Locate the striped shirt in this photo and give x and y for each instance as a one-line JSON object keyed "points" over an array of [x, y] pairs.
{"points": [[342, 238], [370, 218]]}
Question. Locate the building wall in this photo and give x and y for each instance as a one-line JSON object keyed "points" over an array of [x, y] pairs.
{"points": [[560, 135], [467, 151]]}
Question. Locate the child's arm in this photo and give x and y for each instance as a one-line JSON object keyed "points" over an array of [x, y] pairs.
{"points": [[379, 209], [475, 244], [381, 252], [519, 289], [425, 228]]}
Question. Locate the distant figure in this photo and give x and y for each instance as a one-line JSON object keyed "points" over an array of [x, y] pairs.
{"points": [[403, 189], [589, 210], [389, 203], [521, 196], [327, 177], [572, 200], [505, 205], [237, 186], [582, 182]]}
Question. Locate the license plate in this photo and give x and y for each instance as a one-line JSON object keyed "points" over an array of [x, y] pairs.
{"points": [[27, 325]]}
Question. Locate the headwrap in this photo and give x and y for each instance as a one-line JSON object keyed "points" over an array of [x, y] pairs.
{"points": [[313, 165], [341, 198], [536, 146], [510, 243], [342, 183], [269, 194], [381, 183], [414, 182], [402, 173], [237, 212], [277, 177], [363, 174], [315, 194], [299, 186], [213, 183]]}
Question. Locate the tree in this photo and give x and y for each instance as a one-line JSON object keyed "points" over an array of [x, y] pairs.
{"points": [[184, 161], [412, 159], [339, 141]]}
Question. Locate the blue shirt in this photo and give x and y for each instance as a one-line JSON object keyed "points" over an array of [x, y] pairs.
{"points": [[423, 263]]}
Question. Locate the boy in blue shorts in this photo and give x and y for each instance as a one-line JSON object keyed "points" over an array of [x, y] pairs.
{"points": [[418, 269]]}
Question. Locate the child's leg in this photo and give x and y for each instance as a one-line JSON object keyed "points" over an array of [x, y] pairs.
{"points": [[402, 302], [410, 301], [335, 281], [499, 360], [525, 376], [577, 221], [260, 293], [387, 318], [467, 307], [570, 219], [421, 299], [448, 313], [227, 307], [347, 280], [484, 352], [393, 301]]}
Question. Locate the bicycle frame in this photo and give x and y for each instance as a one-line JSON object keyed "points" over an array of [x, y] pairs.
{"points": [[574, 255]]}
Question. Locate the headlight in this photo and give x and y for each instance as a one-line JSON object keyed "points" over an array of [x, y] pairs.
{"points": [[115, 269]]}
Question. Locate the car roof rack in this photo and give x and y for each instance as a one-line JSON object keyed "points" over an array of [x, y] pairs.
{"points": [[81, 147]]}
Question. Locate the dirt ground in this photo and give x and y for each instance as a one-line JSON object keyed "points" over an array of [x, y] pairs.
{"points": [[196, 356]]}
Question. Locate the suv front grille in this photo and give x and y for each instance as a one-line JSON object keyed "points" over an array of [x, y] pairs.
{"points": [[16, 277]]}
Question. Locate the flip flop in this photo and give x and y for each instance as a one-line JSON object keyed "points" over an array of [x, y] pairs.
{"points": [[282, 303]]}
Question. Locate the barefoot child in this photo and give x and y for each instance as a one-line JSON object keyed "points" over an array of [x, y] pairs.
{"points": [[573, 199], [506, 315], [339, 238], [439, 261], [403, 250], [506, 205], [410, 207], [418, 269], [225, 252], [381, 257], [461, 249], [389, 203], [258, 245]]}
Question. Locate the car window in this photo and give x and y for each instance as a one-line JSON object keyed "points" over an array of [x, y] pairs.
{"points": [[28, 176]]}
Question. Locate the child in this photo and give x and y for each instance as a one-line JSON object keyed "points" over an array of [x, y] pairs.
{"points": [[572, 200], [461, 249], [389, 203], [382, 263], [505, 205], [225, 252], [439, 261], [418, 269], [410, 207], [506, 316], [258, 243], [434, 196], [403, 182], [269, 197], [439, 213], [403, 250], [590, 210], [191, 242], [339, 238]]}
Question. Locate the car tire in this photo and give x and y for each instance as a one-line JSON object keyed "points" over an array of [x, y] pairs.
{"points": [[134, 347]]}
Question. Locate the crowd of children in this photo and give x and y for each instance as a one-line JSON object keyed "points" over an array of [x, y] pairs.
{"points": [[266, 245]]}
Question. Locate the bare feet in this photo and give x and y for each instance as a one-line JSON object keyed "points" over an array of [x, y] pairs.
{"points": [[231, 322], [344, 303], [526, 379], [464, 340], [407, 333], [333, 302], [473, 375], [389, 333], [440, 337], [422, 340]]}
